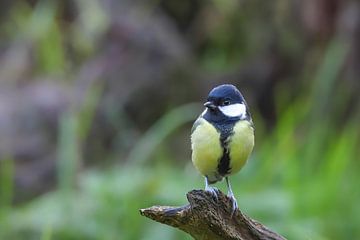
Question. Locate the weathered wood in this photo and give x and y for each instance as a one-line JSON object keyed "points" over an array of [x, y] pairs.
{"points": [[210, 218]]}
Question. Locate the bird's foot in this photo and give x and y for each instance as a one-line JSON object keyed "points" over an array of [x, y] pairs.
{"points": [[234, 203], [213, 191]]}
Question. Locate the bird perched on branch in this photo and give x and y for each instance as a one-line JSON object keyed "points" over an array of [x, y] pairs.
{"points": [[222, 138]]}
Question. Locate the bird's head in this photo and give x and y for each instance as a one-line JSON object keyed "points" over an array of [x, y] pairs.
{"points": [[227, 101]]}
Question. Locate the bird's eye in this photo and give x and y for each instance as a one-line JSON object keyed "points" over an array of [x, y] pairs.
{"points": [[226, 103]]}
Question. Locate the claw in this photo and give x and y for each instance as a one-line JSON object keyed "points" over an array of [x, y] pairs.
{"points": [[211, 190], [234, 204], [232, 197]]}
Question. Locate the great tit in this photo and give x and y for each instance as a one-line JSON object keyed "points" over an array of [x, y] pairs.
{"points": [[222, 138]]}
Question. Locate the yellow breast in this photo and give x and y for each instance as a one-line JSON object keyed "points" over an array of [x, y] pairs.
{"points": [[206, 148], [241, 145]]}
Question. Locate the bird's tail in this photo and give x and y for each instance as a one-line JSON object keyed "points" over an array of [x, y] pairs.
{"points": [[214, 178]]}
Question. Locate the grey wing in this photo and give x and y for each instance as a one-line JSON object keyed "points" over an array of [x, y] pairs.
{"points": [[196, 124]]}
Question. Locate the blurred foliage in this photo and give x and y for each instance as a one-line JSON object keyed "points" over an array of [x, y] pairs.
{"points": [[302, 177]]}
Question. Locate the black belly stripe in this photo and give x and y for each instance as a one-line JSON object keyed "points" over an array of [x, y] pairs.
{"points": [[225, 127], [224, 163]]}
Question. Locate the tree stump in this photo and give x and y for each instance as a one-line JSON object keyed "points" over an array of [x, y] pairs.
{"points": [[209, 218]]}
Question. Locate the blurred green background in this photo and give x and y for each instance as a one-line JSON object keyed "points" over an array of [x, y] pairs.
{"points": [[97, 99]]}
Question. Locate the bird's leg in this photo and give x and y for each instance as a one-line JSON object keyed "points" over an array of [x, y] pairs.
{"points": [[210, 189], [231, 195]]}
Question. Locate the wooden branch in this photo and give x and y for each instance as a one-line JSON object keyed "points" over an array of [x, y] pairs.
{"points": [[209, 218]]}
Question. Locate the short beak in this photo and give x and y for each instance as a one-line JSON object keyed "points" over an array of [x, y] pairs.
{"points": [[210, 105]]}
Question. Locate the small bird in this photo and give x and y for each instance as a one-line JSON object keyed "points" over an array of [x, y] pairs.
{"points": [[222, 138]]}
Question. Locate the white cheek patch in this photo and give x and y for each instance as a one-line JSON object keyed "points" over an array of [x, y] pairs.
{"points": [[234, 110]]}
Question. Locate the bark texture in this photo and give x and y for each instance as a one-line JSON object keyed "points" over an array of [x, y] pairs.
{"points": [[210, 218]]}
